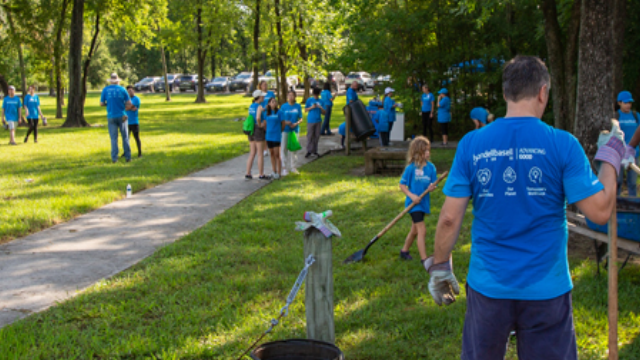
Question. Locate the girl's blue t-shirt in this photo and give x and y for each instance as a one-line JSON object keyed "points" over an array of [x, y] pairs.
{"points": [[32, 103], [383, 121], [388, 107], [291, 113], [628, 124], [426, 100], [418, 179], [314, 116], [444, 110], [325, 98], [274, 128], [253, 111]]}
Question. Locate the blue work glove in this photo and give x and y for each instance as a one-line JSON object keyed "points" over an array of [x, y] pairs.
{"points": [[443, 285], [611, 147], [629, 157]]}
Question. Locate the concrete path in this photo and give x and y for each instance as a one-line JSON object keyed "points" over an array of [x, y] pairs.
{"points": [[53, 265]]}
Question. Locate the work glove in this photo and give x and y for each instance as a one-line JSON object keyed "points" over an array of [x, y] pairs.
{"points": [[443, 285], [611, 147], [629, 157]]}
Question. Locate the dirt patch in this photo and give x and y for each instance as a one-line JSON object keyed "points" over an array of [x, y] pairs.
{"points": [[582, 247]]}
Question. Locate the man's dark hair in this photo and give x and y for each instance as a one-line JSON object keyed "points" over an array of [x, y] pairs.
{"points": [[523, 76], [316, 91], [129, 87], [327, 86]]}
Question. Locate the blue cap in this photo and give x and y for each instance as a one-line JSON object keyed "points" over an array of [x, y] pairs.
{"points": [[625, 97], [443, 91]]}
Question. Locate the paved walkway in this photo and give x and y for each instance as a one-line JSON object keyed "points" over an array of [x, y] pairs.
{"points": [[53, 265]]}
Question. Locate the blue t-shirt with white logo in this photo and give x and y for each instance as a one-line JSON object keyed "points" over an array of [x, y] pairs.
{"points": [[133, 115], [313, 115], [426, 100], [267, 97], [479, 114], [274, 128], [11, 106], [292, 114], [389, 109], [383, 120], [628, 124], [115, 96], [444, 110], [520, 173], [325, 98], [418, 179], [253, 111], [32, 103], [351, 95]]}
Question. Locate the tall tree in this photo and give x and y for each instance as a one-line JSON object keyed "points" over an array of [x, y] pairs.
{"points": [[618, 23], [594, 106], [256, 48], [75, 110], [17, 38]]}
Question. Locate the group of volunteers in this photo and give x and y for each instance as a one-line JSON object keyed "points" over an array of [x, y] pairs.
{"points": [[518, 278], [274, 126], [12, 113]]}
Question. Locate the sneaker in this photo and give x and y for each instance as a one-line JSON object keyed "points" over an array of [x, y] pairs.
{"points": [[317, 155], [26, 139], [295, 171], [285, 172], [275, 176], [263, 177], [265, 153], [128, 160], [248, 177], [404, 255], [308, 154], [139, 156]]}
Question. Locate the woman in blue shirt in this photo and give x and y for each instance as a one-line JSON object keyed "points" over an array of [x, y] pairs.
{"points": [[257, 140], [291, 116], [427, 101], [326, 99], [32, 107], [444, 114], [269, 95], [274, 136], [390, 107]]}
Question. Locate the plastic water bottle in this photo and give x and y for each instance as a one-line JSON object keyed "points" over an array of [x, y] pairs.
{"points": [[129, 190]]}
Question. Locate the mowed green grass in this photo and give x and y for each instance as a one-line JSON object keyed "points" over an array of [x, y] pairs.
{"points": [[72, 171], [213, 292]]}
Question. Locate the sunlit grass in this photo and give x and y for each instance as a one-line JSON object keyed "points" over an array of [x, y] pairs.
{"points": [[71, 169], [209, 295]]}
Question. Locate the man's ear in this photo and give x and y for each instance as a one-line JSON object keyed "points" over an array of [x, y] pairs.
{"points": [[543, 94]]}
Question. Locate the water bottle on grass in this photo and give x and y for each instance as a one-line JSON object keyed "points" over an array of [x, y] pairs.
{"points": [[129, 190]]}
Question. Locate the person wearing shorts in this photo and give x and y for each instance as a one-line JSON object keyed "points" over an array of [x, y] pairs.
{"points": [[11, 113], [273, 136], [444, 114], [418, 176], [257, 140]]}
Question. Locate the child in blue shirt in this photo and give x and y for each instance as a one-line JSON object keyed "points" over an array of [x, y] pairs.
{"points": [[11, 113], [273, 136], [418, 176]]}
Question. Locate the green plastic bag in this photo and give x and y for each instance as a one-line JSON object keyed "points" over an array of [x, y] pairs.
{"points": [[292, 142], [249, 125]]}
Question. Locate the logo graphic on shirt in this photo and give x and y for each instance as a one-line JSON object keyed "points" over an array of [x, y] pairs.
{"points": [[509, 175], [535, 175], [484, 175]]}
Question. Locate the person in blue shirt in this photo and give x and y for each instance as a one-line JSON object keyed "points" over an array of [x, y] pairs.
{"points": [[352, 92], [291, 116], [269, 95], [629, 122], [117, 100], [427, 100], [11, 113], [390, 107], [132, 115], [480, 117], [314, 109], [257, 140], [326, 99], [32, 112], [383, 126], [444, 114], [418, 176], [519, 174], [274, 136]]}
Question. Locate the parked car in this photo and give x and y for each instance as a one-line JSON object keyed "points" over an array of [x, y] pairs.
{"points": [[218, 84], [337, 80], [190, 82], [270, 78], [146, 84], [174, 83], [242, 81], [364, 80]]}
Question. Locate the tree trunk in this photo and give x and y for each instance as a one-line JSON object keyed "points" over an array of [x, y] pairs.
{"points": [[52, 79], [75, 110], [213, 65], [256, 36], [23, 76], [618, 23], [167, 86], [4, 86], [202, 54], [281, 55], [87, 61], [594, 107], [571, 66], [303, 54], [57, 55]]}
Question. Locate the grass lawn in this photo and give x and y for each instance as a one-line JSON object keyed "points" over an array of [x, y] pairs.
{"points": [[72, 171], [210, 294]]}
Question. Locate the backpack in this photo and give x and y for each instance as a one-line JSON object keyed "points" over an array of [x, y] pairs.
{"points": [[249, 125]]}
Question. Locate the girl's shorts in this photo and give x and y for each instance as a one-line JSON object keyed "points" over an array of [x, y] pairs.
{"points": [[273, 144], [417, 216]]}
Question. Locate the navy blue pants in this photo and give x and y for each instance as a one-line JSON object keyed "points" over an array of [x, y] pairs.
{"points": [[326, 124], [544, 328]]}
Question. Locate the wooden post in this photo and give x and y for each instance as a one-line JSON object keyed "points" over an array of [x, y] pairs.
{"points": [[347, 130], [319, 287], [613, 284]]}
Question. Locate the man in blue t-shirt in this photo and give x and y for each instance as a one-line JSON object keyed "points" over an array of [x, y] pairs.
{"points": [[314, 107], [480, 117], [352, 93], [11, 113], [117, 100], [132, 115], [629, 122], [427, 100], [520, 173]]}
